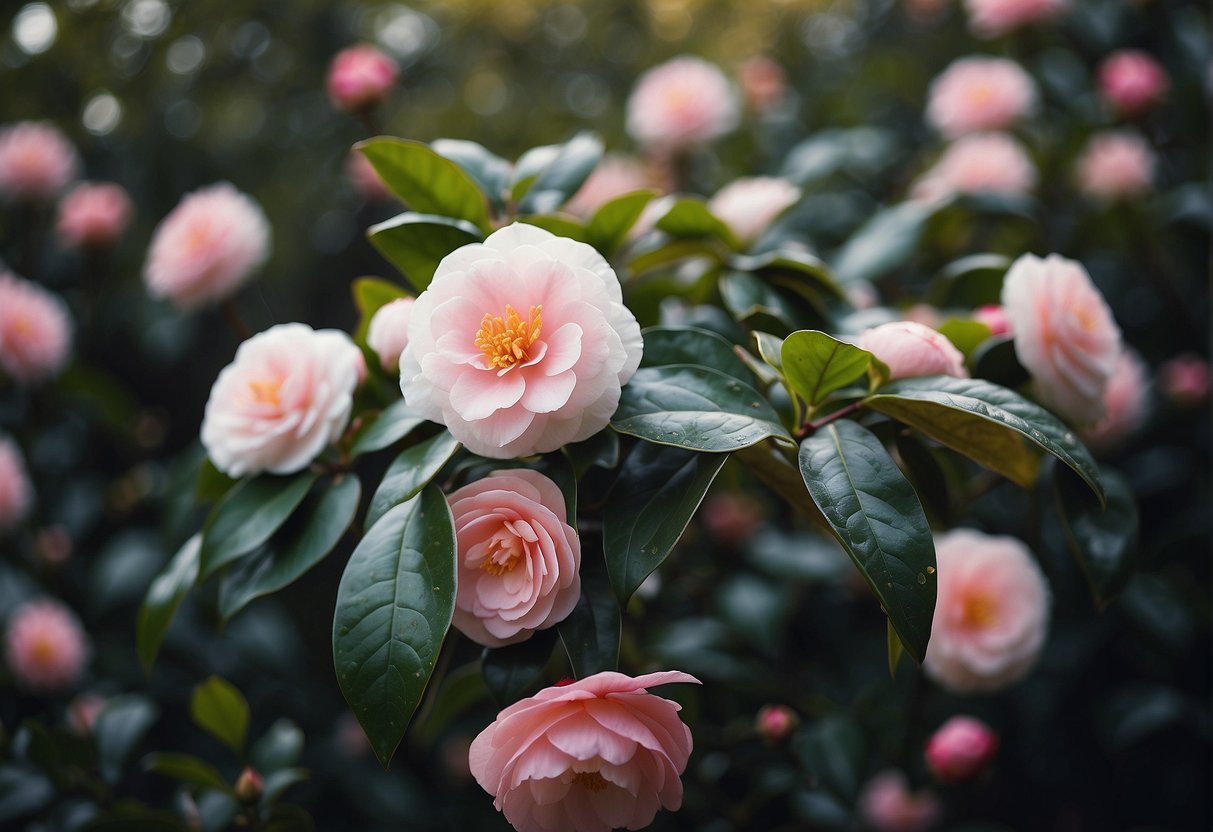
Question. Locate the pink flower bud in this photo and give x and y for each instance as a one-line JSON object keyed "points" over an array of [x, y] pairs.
{"points": [[1132, 81], [888, 805], [910, 349], [93, 215], [993, 316], [960, 750], [360, 78], [249, 785], [776, 722], [1185, 380]]}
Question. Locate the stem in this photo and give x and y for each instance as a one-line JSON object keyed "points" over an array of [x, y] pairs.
{"points": [[810, 426], [232, 315]]}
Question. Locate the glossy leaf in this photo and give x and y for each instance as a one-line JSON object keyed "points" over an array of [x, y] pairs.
{"points": [[690, 217], [657, 492], [416, 243], [991, 425], [121, 724], [590, 634], [186, 769], [220, 709], [394, 607], [791, 269], [427, 182], [1104, 541], [601, 450], [386, 428], [664, 345], [278, 748], [163, 598], [667, 253], [514, 671], [874, 513], [409, 473], [528, 167], [816, 365], [882, 244], [326, 516], [488, 170], [966, 335], [608, 228], [756, 303], [559, 180], [696, 408], [248, 516]]}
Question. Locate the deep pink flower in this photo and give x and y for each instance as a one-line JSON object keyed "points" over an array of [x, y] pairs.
{"points": [[681, 103], [46, 647], [1132, 81], [910, 349], [1115, 165], [36, 162], [977, 94], [590, 756], [888, 805], [994, 18], [16, 493], [35, 330], [776, 722], [1185, 380], [360, 78], [960, 750], [93, 215]]}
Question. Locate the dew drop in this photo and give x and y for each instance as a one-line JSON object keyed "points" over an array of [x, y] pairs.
{"points": [[930, 570], [922, 579]]}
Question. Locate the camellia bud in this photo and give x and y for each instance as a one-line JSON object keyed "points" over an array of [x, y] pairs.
{"points": [[249, 785], [960, 750], [776, 722]]}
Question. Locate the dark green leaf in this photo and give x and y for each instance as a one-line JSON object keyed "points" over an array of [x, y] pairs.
{"points": [[896, 648], [427, 182], [212, 483], [388, 427], [249, 515], [601, 449], [816, 365], [658, 490], [119, 727], [996, 361], [514, 671], [370, 295], [558, 224], [875, 514], [187, 769], [567, 172], [409, 473], [664, 345], [528, 167], [278, 748], [669, 252], [590, 634], [690, 218], [220, 709], [489, 171], [394, 607], [23, 789], [164, 596], [281, 562], [795, 270], [278, 782], [857, 150], [416, 243], [756, 303], [1104, 541], [987, 423], [882, 244], [609, 226], [970, 281], [833, 752], [696, 408]]}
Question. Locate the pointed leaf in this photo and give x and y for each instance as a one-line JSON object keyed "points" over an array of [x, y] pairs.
{"points": [[416, 243], [409, 473], [690, 217], [385, 428], [590, 634], [665, 345], [427, 182], [164, 596], [816, 365], [187, 769], [221, 710], [882, 244], [489, 171], [248, 516], [608, 228], [1104, 541], [560, 179], [119, 727]]}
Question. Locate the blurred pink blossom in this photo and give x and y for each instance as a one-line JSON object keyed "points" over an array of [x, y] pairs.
{"points": [[93, 215], [45, 646], [615, 176], [776, 722], [360, 78], [731, 519], [763, 82], [35, 330], [82, 713], [36, 162], [365, 178], [994, 317], [910, 349], [979, 163], [1115, 165], [1185, 380], [994, 18], [1132, 81], [388, 333], [16, 492], [681, 103], [1126, 400], [960, 749], [749, 205], [888, 805], [977, 94]]}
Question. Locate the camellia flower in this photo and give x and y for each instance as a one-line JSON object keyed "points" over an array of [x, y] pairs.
{"points": [[960, 750], [519, 559], [285, 397], [763, 81], [16, 493], [207, 247], [1115, 165], [360, 171], [520, 344], [976, 94], [1126, 399], [887, 805], [748, 206], [615, 176], [994, 317], [991, 612], [35, 330], [681, 103], [360, 78], [46, 647], [776, 722], [93, 215], [979, 163], [590, 756], [910, 349], [1132, 81], [1185, 380], [1064, 334], [388, 333], [994, 18], [36, 162]]}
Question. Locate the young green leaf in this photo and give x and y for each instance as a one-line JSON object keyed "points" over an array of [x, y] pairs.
{"points": [[816, 365], [220, 709], [248, 516], [416, 243], [427, 182], [409, 473], [163, 598]]}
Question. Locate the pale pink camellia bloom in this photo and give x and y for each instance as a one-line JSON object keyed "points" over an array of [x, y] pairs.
{"points": [[207, 247], [1126, 401], [591, 756], [978, 94], [16, 493], [1185, 380], [285, 397], [615, 176], [994, 317], [776, 722], [763, 82], [910, 349], [960, 749], [360, 171], [681, 103], [35, 330], [519, 559], [45, 646], [93, 215], [520, 344], [1115, 165], [991, 612], [978, 163], [888, 805], [749, 205], [360, 78], [1132, 81], [82, 713], [994, 18], [388, 333], [36, 162], [1065, 336]]}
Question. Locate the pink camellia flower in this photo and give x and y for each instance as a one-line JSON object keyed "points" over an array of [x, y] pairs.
{"points": [[590, 756], [615, 176], [36, 162], [991, 612], [977, 94], [16, 493], [1065, 335], [520, 344], [763, 82], [888, 805], [1132, 81], [979, 163], [285, 397], [910, 349], [388, 333], [960, 750], [360, 171], [994, 18], [1126, 401], [731, 519], [35, 330], [360, 78], [82, 713], [776, 722], [45, 645], [749, 205], [681, 103], [93, 215], [994, 317], [1115, 165], [519, 559], [1185, 380], [208, 246]]}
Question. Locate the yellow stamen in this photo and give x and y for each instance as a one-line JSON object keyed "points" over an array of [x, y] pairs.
{"points": [[43, 651], [265, 392], [591, 780], [503, 556], [505, 342], [979, 610]]}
